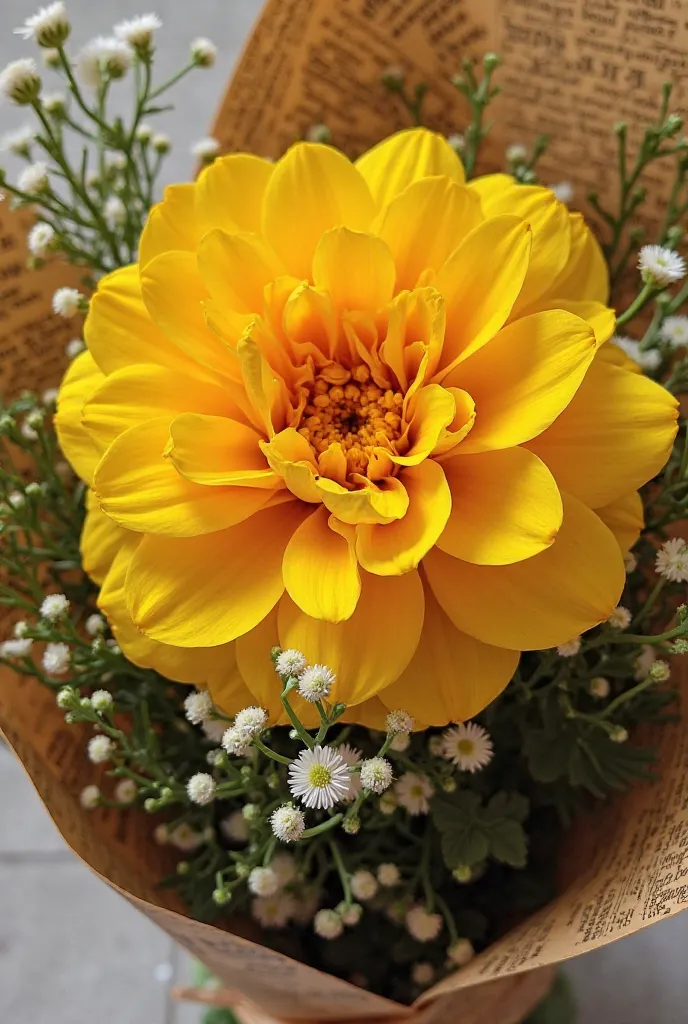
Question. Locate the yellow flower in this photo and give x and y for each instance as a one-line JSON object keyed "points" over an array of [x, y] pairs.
{"points": [[365, 411]]}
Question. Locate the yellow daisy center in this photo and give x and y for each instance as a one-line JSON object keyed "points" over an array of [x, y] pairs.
{"points": [[319, 776], [466, 747]]}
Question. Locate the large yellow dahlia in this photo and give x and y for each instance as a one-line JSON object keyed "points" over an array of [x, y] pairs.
{"points": [[366, 411]]}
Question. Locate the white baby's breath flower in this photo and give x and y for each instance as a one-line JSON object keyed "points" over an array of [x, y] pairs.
{"points": [[674, 330], [51, 58], [350, 914], [388, 802], [205, 149], [413, 792], [74, 348], [95, 624], [660, 266], [290, 663], [263, 882], [143, 132], [563, 191], [203, 52], [352, 757], [422, 973], [516, 153], [376, 774], [388, 875], [185, 838], [54, 103], [201, 788], [328, 924], [89, 798], [648, 359], [320, 777], [283, 866], [600, 687], [161, 142], [49, 27], [138, 32], [660, 671], [467, 745], [126, 791], [400, 721], [620, 618], [114, 160], [20, 82], [100, 749], [114, 211], [316, 682], [400, 743], [49, 396], [570, 649], [161, 835], [56, 659], [101, 701], [393, 76], [34, 179], [672, 560], [288, 823], [235, 828], [18, 141], [16, 499], [618, 734], [20, 629], [103, 57], [18, 648], [457, 142], [274, 911], [364, 885], [249, 722], [424, 927], [318, 133], [198, 706], [214, 729], [54, 606], [67, 302], [630, 562], [644, 662], [435, 746], [461, 952]]}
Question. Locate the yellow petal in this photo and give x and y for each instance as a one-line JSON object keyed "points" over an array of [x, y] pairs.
{"points": [[414, 336], [398, 547], [229, 193], [543, 601], [265, 390], [452, 676], [425, 223], [403, 158], [379, 502], [625, 517], [615, 435], [320, 570], [372, 714], [611, 353], [523, 379], [434, 409], [205, 591], [291, 456], [80, 381], [313, 188], [506, 507], [585, 277], [101, 539], [369, 650], [357, 270], [171, 224], [214, 450], [139, 487], [463, 421], [236, 268], [480, 282]]}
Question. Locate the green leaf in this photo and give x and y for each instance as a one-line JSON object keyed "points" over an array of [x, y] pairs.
{"points": [[508, 843], [548, 756], [509, 805], [466, 843], [446, 812]]}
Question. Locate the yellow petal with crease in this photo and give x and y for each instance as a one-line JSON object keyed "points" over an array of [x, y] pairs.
{"points": [[585, 276], [370, 503], [398, 161], [101, 539], [320, 570], [291, 456], [229, 193], [625, 517], [434, 409], [213, 450], [80, 380], [357, 270], [171, 224], [236, 267]]}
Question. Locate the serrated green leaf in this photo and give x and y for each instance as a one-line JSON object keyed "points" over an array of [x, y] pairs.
{"points": [[509, 805], [447, 811], [548, 757], [467, 844], [508, 843]]}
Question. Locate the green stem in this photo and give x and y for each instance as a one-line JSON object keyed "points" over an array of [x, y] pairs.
{"points": [[343, 873], [271, 753], [626, 696], [296, 722], [640, 300], [324, 826], [649, 604]]}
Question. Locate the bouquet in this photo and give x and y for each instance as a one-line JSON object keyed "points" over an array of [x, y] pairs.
{"points": [[346, 546]]}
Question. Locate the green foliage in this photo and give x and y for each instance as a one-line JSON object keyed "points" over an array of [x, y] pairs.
{"points": [[472, 831]]}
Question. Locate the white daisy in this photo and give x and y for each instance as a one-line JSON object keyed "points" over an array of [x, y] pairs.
{"points": [[376, 774], [468, 745], [672, 560], [435, 746], [674, 330], [352, 757], [288, 823], [364, 885], [318, 133], [263, 882], [328, 924], [19, 81], [143, 132], [201, 788], [138, 32], [74, 348], [388, 803], [424, 927], [48, 27], [18, 141], [570, 649], [400, 743], [630, 562], [620, 618], [461, 952], [319, 777], [660, 266], [316, 682], [234, 741], [393, 76], [290, 663], [274, 911], [34, 179], [203, 52], [161, 143], [647, 359], [413, 793], [103, 57]]}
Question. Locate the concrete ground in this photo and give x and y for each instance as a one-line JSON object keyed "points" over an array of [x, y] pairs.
{"points": [[72, 951]]}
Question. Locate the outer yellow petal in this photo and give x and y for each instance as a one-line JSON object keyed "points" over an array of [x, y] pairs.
{"points": [[205, 591], [356, 269], [506, 507], [372, 648], [425, 223], [585, 276], [229, 193], [452, 676], [313, 188], [611, 353], [171, 224], [540, 602], [615, 435], [213, 450], [101, 539], [320, 570], [398, 547], [80, 381], [625, 517], [523, 379], [371, 713], [403, 158], [139, 487], [478, 301], [236, 268]]}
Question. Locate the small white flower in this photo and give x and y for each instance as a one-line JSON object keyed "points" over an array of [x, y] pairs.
{"points": [[51, 58], [563, 191], [376, 774], [400, 743], [620, 618], [424, 927], [570, 649], [205, 149], [351, 914], [20, 82], [185, 838], [388, 803], [674, 330], [274, 911], [198, 706], [352, 757], [161, 142], [467, 745], [250, 722], [235, 828], [318, 133], [16, 499], [618, 734], [457, 142], [115, 160], [215, 729], [101, 701], [203, 52], [89, 798], [660, 672], [56, 658], [125, 791], [660, 266], [138, 32], [95, 624], [648, 359], [413, 793], [74, 348], [16, 648], [54, 103], [630, 562], [288, 823], [20, 629], [328, 924], [54, 606], [100, 749], [422, 973], [388, 875], [364, 885], [143, 132], [394, 75], [104, 57], [18, 141], [644, 662], [263, 882], [114, 211], [290, 663], [50, 396], [320, 777], [600, 687], [283, 867], [672, 560], [48, 27], [66, 302], [461, 952], [316, 682], [400, 721], [201, 788], [435, 746], [161, 835], [34, 178], [516, 153]]}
